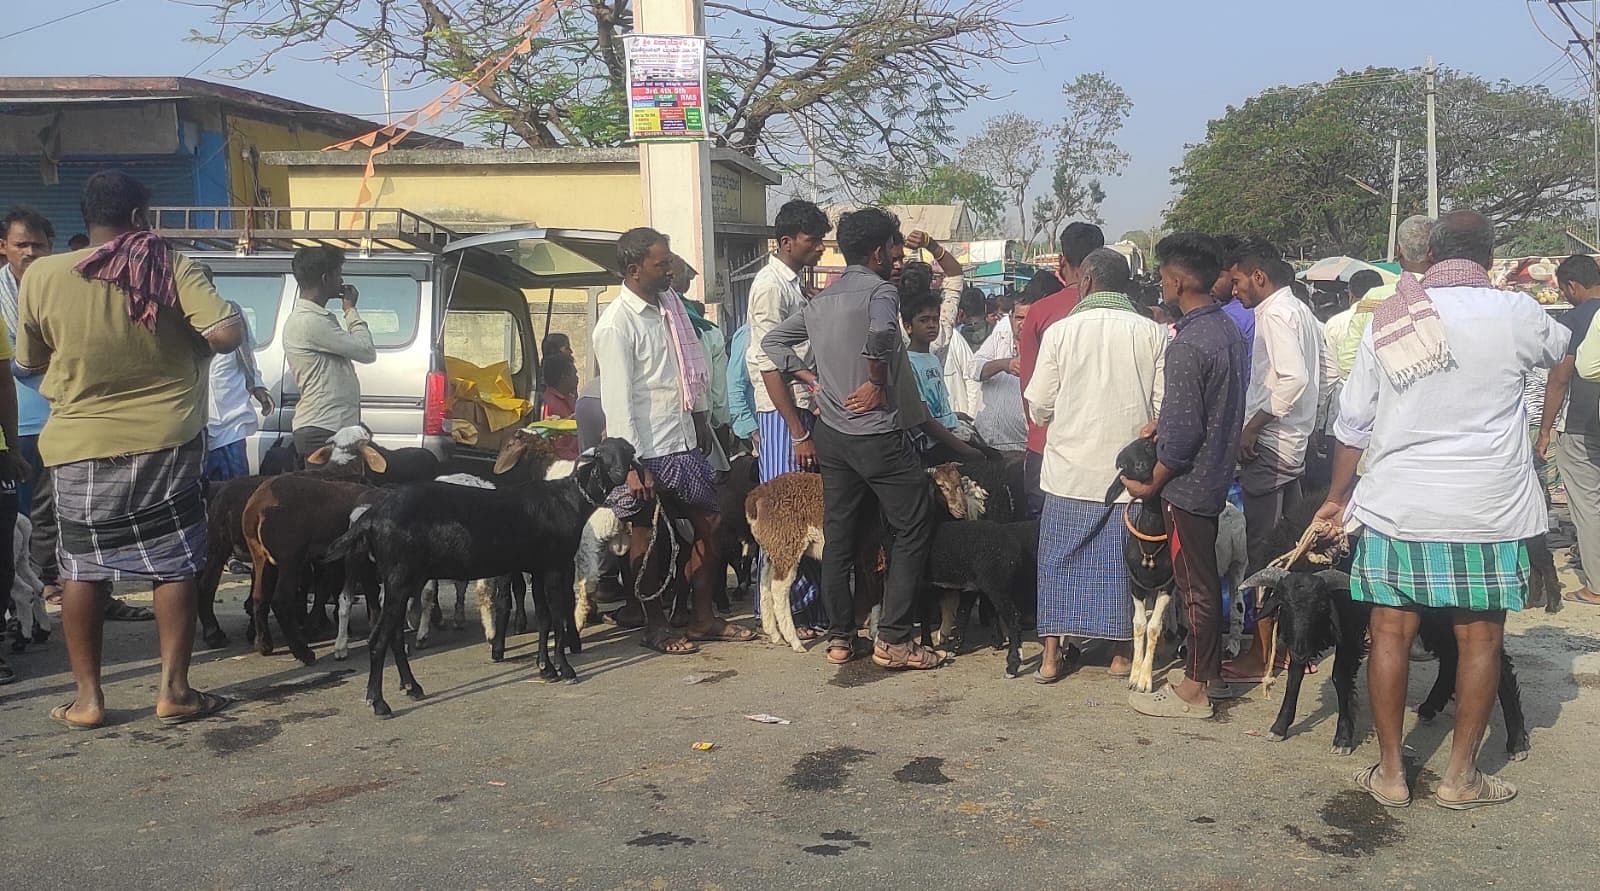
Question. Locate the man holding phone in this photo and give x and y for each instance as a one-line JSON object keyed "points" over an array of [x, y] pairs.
{"points": [[322, 353]]}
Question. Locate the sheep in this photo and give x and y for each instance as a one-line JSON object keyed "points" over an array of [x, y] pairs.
{"points": [[435, 530], [990, 559], [1311, 600]]}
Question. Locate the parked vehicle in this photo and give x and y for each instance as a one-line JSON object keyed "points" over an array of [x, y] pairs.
{"points": [[426, 292]]}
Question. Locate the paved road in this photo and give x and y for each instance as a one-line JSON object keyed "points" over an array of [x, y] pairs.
{"points": [[956, 778]]}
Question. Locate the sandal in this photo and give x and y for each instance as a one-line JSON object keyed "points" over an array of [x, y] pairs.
{"points": [[117, 611], [1491, 790], [59, 715], [848, 648], [52, 595], [728, 632], [1166, 703], [908, 656], [1065, 658], [1364, 778], [667, 643], [210, 704], [1583, 596]]}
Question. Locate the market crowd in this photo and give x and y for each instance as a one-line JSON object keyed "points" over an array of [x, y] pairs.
{"points": [[1408, 407]]}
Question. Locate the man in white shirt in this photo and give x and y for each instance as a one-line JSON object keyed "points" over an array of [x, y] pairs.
{"points": [[1281, 402], [321, 352], [1449, 493], [1097, 383], [654, 390], [1002, 420]]}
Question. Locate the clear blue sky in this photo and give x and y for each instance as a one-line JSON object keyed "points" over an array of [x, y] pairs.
{"points": [[1182, 62]]}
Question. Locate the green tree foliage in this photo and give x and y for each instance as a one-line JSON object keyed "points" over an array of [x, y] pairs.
{"points": [[947, 184], [1282, 164], [856, 87], [1096, 107]]}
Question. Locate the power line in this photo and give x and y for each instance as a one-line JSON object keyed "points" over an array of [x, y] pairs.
{"points": [[47, 23]]}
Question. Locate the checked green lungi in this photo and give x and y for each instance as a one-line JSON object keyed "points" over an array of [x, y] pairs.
{"points": [[1461, 575]]}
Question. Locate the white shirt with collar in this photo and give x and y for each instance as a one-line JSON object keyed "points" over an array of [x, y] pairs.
{"points": [[775, 295], [1448, 458], [640, 391], [1285, 376]]}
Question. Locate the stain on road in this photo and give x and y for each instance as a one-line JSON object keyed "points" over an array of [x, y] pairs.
{"points": [[1360, 826], [279, 693], [292, 804], [223, 741], [648, 839], [857, 673], [825, 770], [925, 771], [837, 842]]}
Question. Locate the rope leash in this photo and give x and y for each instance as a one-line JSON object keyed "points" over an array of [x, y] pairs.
{"points": [[672, 563], [1307, 539]]}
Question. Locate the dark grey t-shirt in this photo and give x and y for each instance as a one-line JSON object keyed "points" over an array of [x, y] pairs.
{"points": [[1583, 397]]}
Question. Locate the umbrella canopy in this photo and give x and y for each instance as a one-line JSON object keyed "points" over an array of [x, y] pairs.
{"points": [[1339, 269]]}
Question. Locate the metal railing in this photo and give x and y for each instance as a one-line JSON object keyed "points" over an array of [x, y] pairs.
{"points": [[248, 230]]}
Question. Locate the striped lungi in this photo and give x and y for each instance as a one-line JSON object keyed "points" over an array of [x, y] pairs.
{"points": [[135, 516], [1083, 582], [686, 476], [776, 458], [1474, 576]]}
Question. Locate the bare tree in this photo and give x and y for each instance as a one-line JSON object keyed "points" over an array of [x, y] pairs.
{"points": [[858, 87], [1096, 108], [1009, 150]]}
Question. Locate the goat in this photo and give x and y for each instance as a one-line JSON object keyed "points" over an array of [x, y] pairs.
{"points": [[990, 559], [32, 622], [736, 545], [1233, 560], [279, 458], [1148, 558], [1315, 613], [435, 530]]}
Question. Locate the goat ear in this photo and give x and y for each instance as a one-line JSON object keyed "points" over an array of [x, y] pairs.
{"points": [[374, 458], [1269, 605], [320, 456], [510, 454], [1115, 492], [1266, 578], [1336, 578]]}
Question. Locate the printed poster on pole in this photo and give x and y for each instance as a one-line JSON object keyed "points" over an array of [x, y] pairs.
{"points": [[666, 87]]}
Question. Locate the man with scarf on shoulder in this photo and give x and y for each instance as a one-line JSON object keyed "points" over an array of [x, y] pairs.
{"points": [[1449, 494], [655, 391]]}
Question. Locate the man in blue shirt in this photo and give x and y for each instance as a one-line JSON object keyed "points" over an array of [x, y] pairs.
{"points": [[741, 393]]}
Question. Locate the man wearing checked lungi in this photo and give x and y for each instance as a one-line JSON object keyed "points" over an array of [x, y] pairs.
{"points": [[123, 333], [1434, 402]]}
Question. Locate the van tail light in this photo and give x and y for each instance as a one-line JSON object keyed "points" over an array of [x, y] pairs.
{"points": [[434, 408]]}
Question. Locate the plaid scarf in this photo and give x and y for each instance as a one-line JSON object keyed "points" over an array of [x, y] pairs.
{"points": [[694, 373], [1104, 300], [140, 264], [1406, 329]]}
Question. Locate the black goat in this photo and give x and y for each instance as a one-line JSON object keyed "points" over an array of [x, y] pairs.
{"points": [[1148, 557], [993, 560], [1315, 613], [436, 530]]}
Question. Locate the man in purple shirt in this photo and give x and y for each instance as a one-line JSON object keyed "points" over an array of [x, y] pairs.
{"points": [[1222, 292], [1197, 439]]}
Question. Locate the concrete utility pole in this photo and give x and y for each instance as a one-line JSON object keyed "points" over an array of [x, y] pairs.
{"points": [[1590, 42], [1394, 205], [1430, 78], [673, 175]]}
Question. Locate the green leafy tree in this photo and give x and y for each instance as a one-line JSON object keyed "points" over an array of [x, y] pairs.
{"points": [[855, 87], [1086, 150], [1285, 164], [947, 184]]}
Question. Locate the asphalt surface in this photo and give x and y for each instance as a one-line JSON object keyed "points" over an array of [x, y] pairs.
{"points": [[955, 778]]}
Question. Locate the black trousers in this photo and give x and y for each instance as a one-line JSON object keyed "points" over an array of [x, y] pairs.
{"points": [[854, 468], [1193, 541], [308, 440]]}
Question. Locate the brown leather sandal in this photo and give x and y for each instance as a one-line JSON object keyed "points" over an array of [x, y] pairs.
{"points": [[908, 656], [841, 651]]}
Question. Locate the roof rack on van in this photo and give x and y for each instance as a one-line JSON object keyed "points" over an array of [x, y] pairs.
{"points": [[247, 230]]}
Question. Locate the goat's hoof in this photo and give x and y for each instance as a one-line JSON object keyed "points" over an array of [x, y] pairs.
{"points": [[307, 658], [382, 709], [215, 639], [415, 691], [1275, 736], [1426, 715], [1342, 750], [341, 655], [569, 676], [497, 655], [1521, 755], [574, 649], [548, 672]]}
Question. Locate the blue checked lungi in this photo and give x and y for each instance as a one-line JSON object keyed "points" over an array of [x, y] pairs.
{"points": [[1475, 576], [686, 476], [1083, 582], [227, 462], [776, 458], [135, 516]]}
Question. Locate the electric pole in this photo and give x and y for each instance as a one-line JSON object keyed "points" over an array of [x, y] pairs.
{"points": [[1589, 40], [1430, 78], [1394, 204]]}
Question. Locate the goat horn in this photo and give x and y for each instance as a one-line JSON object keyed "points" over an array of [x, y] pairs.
{"points": [[1335, 577], [1266, 578]]}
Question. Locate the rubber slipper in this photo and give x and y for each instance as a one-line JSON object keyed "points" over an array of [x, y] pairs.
{"points": [[728, 632], [1492, 790], [1363, 778], [59, 715], [661, 640], [117, 611], [1166, 703], [1062, 665], [1577, 597], [1222, 693], [210, 704]]}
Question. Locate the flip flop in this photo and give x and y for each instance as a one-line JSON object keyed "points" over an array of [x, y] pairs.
{"points": [[1492, 790], [1216, 694], [117, 611], [661, 639], [1577, 597], [59, 715], [1166, 703], [1039, 677], [729, 632], [1363, 778], [210, 704]]}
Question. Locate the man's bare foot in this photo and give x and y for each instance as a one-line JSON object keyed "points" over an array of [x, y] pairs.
{"points": [[1121, 665], [1480, 791], [1583, 595], [668, 641], [81, 714]]}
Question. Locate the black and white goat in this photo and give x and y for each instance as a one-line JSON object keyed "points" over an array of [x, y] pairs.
{"points": [[1148, 556], [437, 530]]}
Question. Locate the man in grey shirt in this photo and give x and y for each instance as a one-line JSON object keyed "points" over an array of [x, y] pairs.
{"points": [[855, 348], [321, 352]]}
